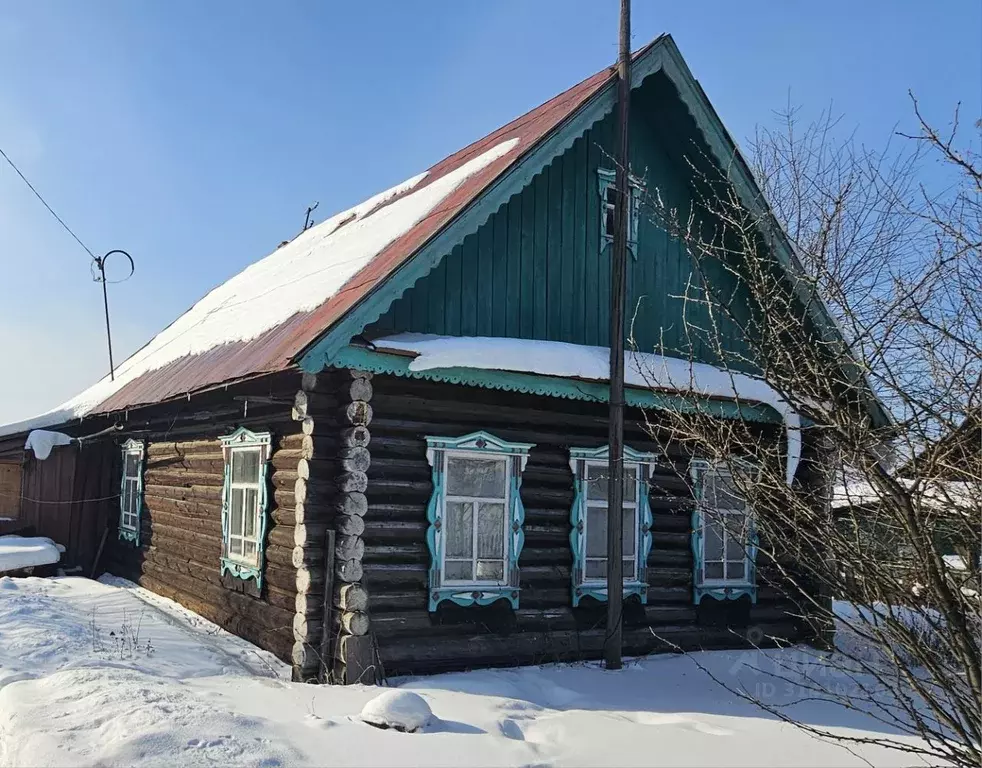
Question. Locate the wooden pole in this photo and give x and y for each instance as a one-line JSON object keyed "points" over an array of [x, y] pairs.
{"points": [[618, 284]]}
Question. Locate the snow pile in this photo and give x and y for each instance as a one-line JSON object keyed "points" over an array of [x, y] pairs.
{"points": [[107, 674], [402, 710], [556, 358], [41, 441], [17, 552], [297, 277]]}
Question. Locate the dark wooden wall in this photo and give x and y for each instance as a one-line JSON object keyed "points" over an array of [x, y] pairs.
{"points": [[181, 525], [545, 628]]}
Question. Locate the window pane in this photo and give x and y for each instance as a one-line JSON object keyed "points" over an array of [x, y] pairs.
{"points": [[251, 504], [235, 546], [249, 549], [476, 477], [126, 497], [713, 540], [458, 570], [734, 548], [250, 522], [596, 483], [630, 483], [714, 570], [245, 466], [490, 530], [735, 570], [722, 492], [460, 529], [629, 532], [490, 570], [596, 531], [596, 569], [235, 520], [132, 462], [628, 569], [609, 221]]}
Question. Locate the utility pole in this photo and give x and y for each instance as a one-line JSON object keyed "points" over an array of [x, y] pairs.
{"points": [[618, 285]]}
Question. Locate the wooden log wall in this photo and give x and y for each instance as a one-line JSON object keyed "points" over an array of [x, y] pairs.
{"points": [[181, 525], [545, 628]]}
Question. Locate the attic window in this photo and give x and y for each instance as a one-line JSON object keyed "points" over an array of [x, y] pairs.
{"points": [[607, 181]]}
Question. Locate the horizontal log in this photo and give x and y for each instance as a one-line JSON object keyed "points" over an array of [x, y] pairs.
{"points": [[355, 437], [349, 548], [355, 622], [309, 581], [349, 525], [305, 629], [281, 536], [186, 508], [207, 464], [314, 490], [314, 512], [286, 479], [397, 511], [396, 489], [404, 552], [196, 493], [394, 531], [309, 603], [356, 482], [670, 557], [310, 556], [183, 478], [355, 459], [357, 413], [348, 570], [355, 389], [187, 447], [353, 503], [309, 534], [352, 597]]}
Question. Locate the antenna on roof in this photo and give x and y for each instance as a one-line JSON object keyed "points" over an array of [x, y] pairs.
{"points": [[307, 223], [100, 264]]}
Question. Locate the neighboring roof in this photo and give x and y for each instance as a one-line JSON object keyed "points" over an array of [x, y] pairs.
{"points": [[956, 456], [336, 275]]}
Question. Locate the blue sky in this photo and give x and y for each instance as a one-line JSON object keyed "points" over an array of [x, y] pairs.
{"points": [[194, 135]]}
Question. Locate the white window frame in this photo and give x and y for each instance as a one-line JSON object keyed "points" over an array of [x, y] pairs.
{"points": [[256, 512], [598, 503], [131, 530], [724, 587], [504, 460]]}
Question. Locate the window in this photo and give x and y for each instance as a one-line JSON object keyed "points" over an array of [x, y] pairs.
{"points": [[476, 515], [244, 504], [131, 491], [588, 517], [724, 542], [608, 203]]}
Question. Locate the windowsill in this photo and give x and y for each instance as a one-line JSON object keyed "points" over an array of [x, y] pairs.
{"points": [[130, 534], [240, 570], [725, 591], [467, 594], [598, 591]]}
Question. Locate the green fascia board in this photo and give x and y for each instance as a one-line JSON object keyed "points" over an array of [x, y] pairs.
{"points": [[552, 386]]}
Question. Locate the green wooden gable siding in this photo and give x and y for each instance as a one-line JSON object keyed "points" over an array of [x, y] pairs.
{"points": [[538, 268]]}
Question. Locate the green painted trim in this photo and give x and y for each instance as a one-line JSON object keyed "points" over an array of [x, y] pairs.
{"points": [[136, 447], [516, 455], [553, 386], [244, 438]]}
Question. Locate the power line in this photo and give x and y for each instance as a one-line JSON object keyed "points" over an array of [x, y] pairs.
{"points": [[45, 203]]}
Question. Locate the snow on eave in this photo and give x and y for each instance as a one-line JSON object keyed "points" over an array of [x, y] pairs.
{"points": [[939, 495], [295, 278], [577, 361]]}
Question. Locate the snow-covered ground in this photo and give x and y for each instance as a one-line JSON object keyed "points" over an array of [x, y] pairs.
{"points": [[108, 674]]}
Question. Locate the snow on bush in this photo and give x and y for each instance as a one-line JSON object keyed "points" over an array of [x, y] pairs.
{"points": [[402, 710]]}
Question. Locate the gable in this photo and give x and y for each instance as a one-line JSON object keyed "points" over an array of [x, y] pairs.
{"points": [[539, 268]]}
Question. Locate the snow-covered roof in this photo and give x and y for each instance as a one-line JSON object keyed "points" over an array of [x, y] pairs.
{"points": [[940, 495], [263, 318], [576, 361], [18, 552]]}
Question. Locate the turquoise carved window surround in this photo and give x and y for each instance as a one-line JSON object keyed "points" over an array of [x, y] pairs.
{"points": [[607, 184], [588, 517], [475, 534], [131, 491], [244, 501], [724, 539]]}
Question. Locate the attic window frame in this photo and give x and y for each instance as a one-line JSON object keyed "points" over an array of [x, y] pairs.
{"points": [[607, 182]]}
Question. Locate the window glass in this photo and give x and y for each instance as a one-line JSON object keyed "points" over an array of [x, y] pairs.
{"points": [[481, 478], [490, 530], [132, 464], [245, 466], [490, 570], [596, 531], [460, 532], [459, 570]]}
